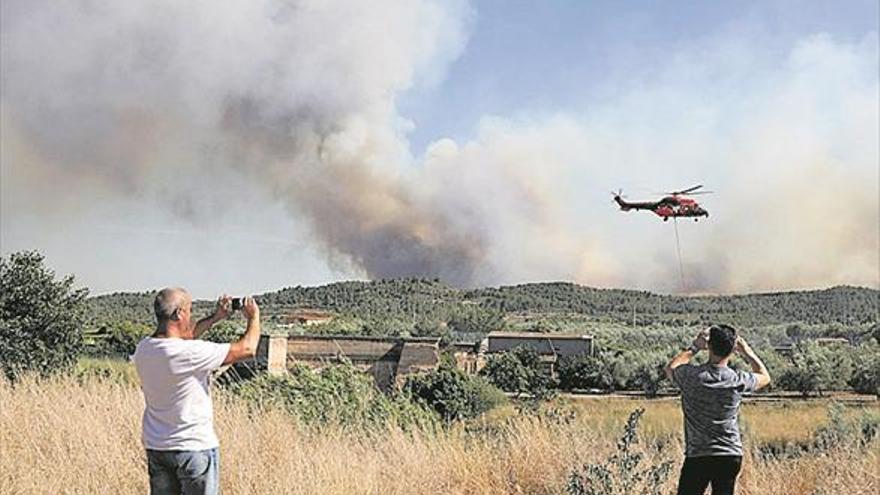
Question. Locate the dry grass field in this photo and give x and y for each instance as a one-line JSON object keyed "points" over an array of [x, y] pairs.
{"points": [[65, 435]]}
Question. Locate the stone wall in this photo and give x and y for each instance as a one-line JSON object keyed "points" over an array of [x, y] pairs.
{"points": [[388, 360]]}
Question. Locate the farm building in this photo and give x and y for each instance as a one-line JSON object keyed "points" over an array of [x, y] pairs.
{"points": [[784, 349], [307, 317], [551, 347], [387, 359], [469, 357], [788, 347], [546, 344]]}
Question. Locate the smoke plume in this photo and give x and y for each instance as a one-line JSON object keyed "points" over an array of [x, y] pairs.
{"points": [[179, 103]]}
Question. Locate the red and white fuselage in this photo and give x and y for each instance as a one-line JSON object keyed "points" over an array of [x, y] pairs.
{"points": [[670, 206]]}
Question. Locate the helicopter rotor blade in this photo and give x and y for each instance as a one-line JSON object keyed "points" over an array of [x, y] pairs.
{"points": [[689, 190]]}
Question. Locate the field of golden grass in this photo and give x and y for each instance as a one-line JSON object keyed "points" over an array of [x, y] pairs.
{"points": [[67, 435]]}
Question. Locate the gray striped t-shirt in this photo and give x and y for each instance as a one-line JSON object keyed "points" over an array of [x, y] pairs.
{"points": [[710, 399]]}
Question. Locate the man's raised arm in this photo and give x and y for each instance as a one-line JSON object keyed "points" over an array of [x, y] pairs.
{"points": [[246, 347], [684, 357], [758, 368], [221, 312]]}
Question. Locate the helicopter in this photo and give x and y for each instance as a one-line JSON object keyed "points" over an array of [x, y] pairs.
{"points": [[674, 204]]}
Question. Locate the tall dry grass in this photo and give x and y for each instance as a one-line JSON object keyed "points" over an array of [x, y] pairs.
{"points": [[763, 422], [65, 435]]}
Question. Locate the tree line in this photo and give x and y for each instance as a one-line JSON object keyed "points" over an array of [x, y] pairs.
{"points": [[46, 323], [422, 307]]}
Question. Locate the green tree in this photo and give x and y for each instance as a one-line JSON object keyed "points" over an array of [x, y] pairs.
{"points": [[428, 328], [647, 365], [584, 372], [41, 319], [795, 333], [118, 338], [520, 371], [605, 370], [455, 395], [776, 363], [866, 373], [648, 377], [815, 368], [224, 332], [477, 320]]}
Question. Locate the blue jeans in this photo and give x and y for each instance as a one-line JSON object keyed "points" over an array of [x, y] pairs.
{"points": [[184, 472]]}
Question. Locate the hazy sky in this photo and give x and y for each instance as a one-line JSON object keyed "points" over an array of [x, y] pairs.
{"points": [[248, 146]]}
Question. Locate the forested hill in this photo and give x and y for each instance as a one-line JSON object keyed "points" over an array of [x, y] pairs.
{"points": [[839, 304], [429, 300]]}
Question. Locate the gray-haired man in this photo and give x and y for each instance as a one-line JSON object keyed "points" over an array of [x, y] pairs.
{"points": [[174, 366], [711, 394]]}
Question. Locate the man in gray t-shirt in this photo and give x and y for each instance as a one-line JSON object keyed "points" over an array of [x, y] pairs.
{"points": [[710, 397]]}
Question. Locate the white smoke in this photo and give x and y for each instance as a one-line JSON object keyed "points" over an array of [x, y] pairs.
{"points": [[789, 145]]}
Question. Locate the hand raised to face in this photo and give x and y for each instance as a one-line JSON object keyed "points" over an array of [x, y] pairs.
{"points": [[250, 308], [701, 341], [742, 347], [224, 307]]}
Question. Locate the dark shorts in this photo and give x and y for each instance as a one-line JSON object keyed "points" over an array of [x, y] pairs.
{"points": [[184, 472], [699, 472]]}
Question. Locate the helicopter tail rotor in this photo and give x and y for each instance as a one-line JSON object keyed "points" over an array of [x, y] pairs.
{"points": [[618, 198]]}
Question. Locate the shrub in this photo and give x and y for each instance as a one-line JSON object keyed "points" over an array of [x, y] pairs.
{"points": [[620, 474], [339, 394], [843, 432], [224, 332], [41, 319], [106, 369], [615, 370], [117, 339], [520, 371], [869, 427], [836, 433], [453, 394]]}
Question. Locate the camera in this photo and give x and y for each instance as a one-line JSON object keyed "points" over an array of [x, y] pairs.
{"points": [[237, 303]]}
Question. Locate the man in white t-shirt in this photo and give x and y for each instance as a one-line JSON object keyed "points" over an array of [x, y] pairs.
{"points": [[174, 367]]}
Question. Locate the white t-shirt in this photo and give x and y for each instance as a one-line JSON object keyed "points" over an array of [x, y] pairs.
{"points": [[174, 378]]}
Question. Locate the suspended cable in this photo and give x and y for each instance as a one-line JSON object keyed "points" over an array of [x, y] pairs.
{"points": [[678, 250]]}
